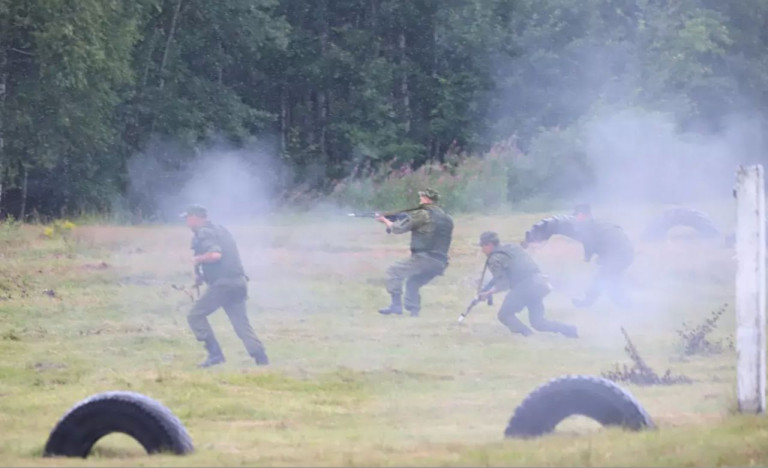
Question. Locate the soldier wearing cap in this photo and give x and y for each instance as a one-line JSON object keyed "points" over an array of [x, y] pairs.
{"points": [[216, 254], [515, 271], [431, 231]]}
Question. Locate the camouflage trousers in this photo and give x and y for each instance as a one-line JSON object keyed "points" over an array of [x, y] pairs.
{"points": [[530, 293], [417, 270], [231, 294]]}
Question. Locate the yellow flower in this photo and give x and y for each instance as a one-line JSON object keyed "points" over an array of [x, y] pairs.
{"points": [[48, 232]]}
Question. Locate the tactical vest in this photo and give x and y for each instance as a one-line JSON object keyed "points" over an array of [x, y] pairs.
{"points": [[521, 265], [230, 265], [437, 242]]}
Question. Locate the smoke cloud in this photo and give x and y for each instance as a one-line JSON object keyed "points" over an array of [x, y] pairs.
{"points": [[235, 184]]}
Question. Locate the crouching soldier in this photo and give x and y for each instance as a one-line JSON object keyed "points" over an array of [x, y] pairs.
{"points": [[608, 241], [216, 252], [431, 231], [515, 271]]}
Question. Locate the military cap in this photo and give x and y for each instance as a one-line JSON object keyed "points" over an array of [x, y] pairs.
{"points": [[197, 210], [582, 208], [489, 237], [430, 193]]}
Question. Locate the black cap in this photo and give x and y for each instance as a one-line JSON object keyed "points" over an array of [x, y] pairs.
{"points": [[197, 210], [489, 237]]}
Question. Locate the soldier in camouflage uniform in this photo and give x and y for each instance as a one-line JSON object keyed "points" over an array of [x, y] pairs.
{"points": [[615, 252], [431, 233], [515, 271], [215, 251]]}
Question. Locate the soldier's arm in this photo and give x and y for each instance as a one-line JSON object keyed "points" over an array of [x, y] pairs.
{"points": [[410, 222], [208, 244], [499, 267]]}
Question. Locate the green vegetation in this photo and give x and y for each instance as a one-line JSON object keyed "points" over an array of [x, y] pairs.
{"points": [[323, 88], [347, 386]]}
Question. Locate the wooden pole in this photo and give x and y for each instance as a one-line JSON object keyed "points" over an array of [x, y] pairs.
{"points": [[750, 288]]}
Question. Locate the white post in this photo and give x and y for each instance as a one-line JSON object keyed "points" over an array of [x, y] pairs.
{"points": [[750, 288]]}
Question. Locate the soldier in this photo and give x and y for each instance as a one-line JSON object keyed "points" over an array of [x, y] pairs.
{"points": [[215, 252], [615, 253], [608, 241], [515, 271], [431, 231]]}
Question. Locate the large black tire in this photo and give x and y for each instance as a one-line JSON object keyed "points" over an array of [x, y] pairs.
{"points": [[146, 420], [658, 227], [594, 397]]}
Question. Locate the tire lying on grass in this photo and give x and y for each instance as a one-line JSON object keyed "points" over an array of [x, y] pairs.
{"points": [[594, 397], [146, 420], [658, 227]]}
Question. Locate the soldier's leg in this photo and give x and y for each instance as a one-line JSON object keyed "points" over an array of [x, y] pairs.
{"points": [[616, 290], [512, 305], [211, 300], [616, 284], [594, 290], [425, 270], [396, 274], [238, 316], [540, 323]]}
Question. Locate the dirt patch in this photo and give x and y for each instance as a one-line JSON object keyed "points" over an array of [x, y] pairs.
{"points": [[95, 266]]}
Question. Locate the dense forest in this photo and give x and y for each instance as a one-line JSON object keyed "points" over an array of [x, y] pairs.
{"points": [[328, 86]]}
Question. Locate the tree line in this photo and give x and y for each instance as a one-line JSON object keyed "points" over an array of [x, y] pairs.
{"points": [[329, 85]]}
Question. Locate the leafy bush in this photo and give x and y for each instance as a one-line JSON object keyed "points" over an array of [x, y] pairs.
{"points": [[556, 165], [465, 182]]}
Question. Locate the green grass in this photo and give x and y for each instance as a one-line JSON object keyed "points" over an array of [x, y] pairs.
{"points": [[346, 385]]}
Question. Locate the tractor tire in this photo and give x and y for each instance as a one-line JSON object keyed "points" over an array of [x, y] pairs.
{"points": [[658, 227], [594, 397], [146, 420]]}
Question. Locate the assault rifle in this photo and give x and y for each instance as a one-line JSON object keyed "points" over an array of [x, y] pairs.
{"points": [[199, 280], [477, 299], [390, 215]]}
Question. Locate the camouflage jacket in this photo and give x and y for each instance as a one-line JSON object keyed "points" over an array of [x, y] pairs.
{"points": [[431, 230]]}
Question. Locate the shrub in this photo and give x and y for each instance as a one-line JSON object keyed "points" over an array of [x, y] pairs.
{"points": [[465, 182]]}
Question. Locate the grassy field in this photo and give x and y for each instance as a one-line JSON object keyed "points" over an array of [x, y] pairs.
{"points": [[346, 385]]}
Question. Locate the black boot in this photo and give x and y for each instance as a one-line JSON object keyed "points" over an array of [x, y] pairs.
{"points": [[396, 307], [261, 358], [215, 356]]}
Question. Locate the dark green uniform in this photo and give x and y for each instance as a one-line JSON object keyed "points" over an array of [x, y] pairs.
{"points": [[613, 248], [515, 271], [615, 254], [431, 233], [227, 288]]}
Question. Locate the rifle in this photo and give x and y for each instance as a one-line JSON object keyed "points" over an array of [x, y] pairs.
{"points": [[199, 277], [480, 289], [390, 215], [199, 280]]}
